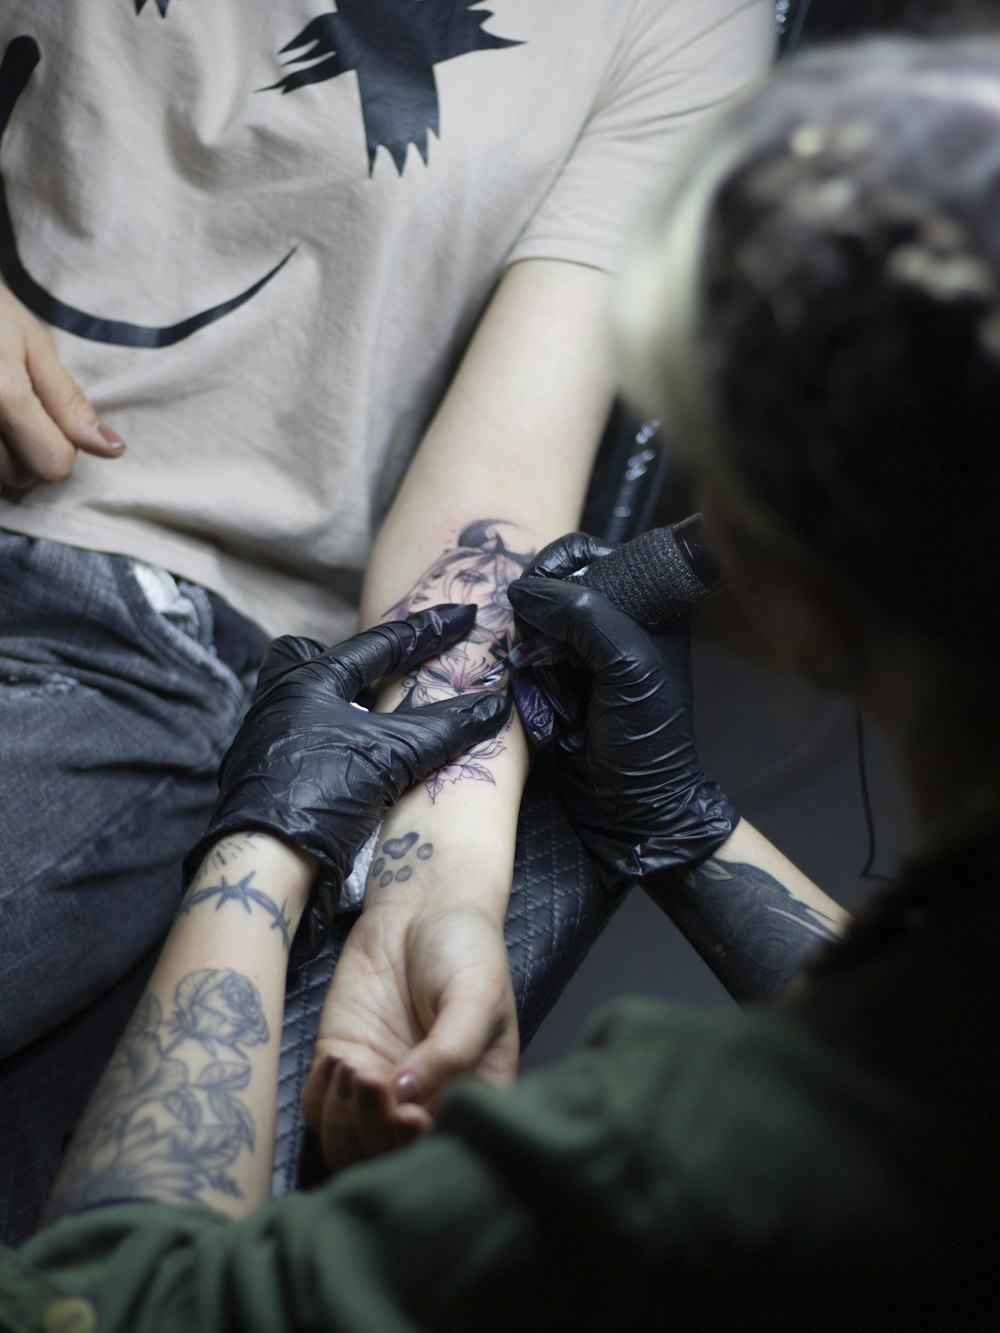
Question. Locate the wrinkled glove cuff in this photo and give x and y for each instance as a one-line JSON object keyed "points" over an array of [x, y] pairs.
{"points": [[707, 820], [321, 909]]}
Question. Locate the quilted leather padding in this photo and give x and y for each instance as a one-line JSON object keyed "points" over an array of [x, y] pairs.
{"points": [[557, 910]]}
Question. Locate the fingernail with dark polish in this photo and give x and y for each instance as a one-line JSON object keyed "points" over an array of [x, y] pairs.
{"points": [[406, 1089], [111, 437]]}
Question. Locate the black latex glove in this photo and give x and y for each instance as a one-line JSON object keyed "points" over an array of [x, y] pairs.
{"points": [[316, 771], [546, 698], [628, 769]]}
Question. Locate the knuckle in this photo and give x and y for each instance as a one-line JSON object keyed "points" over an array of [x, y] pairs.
{"points": [[75, 399], [16, 393], [50, 465]]}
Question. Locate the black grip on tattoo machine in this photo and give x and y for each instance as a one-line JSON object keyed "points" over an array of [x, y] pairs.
{"points": [[659, 576]]}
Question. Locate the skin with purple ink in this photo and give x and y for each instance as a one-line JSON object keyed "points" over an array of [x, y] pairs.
{"points": [[477, 569]]}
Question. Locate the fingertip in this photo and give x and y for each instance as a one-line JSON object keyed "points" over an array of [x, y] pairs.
{"points": [[96, 438], [111, 439], [412, 1124], [526, 590], [491, 708], [457, 619], [406, 1088], [451, 1049], [568, 555], [290, 650], [431, 630]]}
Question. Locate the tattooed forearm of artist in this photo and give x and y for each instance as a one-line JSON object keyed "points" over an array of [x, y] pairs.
{"points": [[751, 930]]}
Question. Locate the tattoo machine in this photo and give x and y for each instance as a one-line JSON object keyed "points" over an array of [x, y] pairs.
{"points": [[658, 578]]}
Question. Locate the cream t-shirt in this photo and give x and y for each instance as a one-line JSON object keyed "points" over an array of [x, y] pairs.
{"points": [[263, 230]]}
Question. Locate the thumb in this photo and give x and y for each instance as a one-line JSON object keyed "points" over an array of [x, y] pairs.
{"points": [[66, 403], [439, 731], [453, 1047]]}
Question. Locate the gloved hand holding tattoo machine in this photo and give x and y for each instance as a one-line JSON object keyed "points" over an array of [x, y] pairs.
{"points": [[629, 773]]}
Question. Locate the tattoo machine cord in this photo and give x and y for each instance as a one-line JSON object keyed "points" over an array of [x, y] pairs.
{"points": [[866, 802]]}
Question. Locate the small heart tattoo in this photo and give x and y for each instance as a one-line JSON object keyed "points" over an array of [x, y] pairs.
{"points": [[398, 847]]}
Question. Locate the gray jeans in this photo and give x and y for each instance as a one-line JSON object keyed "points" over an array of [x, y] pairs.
{"points": [[113, 720]]}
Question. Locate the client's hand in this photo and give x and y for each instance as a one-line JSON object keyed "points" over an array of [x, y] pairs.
{"points": [[629, 771], [45, 418], [416, 1000]]}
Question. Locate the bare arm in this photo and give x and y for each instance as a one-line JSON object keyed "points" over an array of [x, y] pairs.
{"points": [[504, 465], [751, 914], [503, 468]]}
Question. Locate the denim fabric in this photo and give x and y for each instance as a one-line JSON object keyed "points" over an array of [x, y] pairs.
{"points": [[113, 721]]}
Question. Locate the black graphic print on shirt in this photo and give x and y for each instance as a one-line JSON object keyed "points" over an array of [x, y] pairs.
{"points": [[19, 62], [393, 45], [162, 6]]}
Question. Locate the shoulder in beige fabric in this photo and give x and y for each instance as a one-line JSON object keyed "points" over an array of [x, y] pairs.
{"points": [[264, 231]]}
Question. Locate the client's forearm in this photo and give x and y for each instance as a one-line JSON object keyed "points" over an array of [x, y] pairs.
{"points": [[185, 1111], [463, 817], [750, 913]]}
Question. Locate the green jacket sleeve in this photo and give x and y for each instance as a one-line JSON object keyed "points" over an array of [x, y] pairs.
{"points": [[681, 1157]]}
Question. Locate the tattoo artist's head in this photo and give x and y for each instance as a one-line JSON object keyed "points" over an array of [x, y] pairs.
{"points": [[813, 307]]}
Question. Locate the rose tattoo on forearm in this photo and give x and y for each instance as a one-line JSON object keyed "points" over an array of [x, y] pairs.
{"points": [[166, 1121], [478, 568]]}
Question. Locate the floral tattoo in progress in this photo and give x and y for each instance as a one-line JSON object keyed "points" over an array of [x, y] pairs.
{"points": [[166, 1121], [477, 569], [394, 864]]}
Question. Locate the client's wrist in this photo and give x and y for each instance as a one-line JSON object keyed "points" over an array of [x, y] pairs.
{"points": [[417, 870]]}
